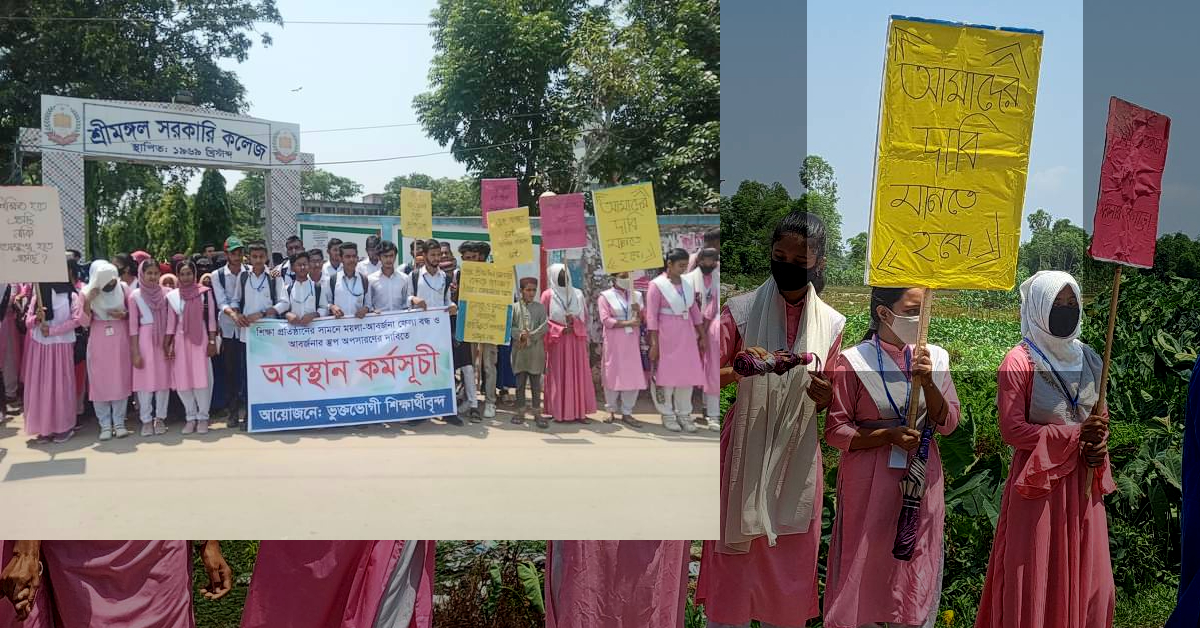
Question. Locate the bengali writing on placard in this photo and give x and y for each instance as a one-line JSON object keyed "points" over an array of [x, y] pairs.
{"points": [[954, 139], [31, 235], [486, 282], [511, 236], [416, 213], [484, 322], [627, 226], [496, 194]]}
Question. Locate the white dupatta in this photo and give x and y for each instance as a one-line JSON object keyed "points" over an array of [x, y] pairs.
{"points": [[773, 451], [680, 304]]}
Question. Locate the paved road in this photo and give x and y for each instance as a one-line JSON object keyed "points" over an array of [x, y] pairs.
{"points": [[435, 481]]}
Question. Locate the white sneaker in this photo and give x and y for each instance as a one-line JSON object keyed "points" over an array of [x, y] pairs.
{"points": [[189, 427], [160, 426], [147, 429], [201, 427], [121, 431], [671, 423], [689, 424], [714, 424], [489, 410], [105, 434]]}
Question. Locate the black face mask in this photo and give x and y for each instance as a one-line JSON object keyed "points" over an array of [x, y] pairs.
{"points": [[707, 270], [789, 277], [562, 282], [109, 288], [1063, 320]]}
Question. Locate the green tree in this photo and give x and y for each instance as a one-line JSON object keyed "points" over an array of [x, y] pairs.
{"points": [[247, 200], [450, 197], [1053, 245], [128, 50], [211, 211], [495, 83], [125, 228], [1178, 255], [166, 230], [322, 185], [748, 219], [816, 175]]}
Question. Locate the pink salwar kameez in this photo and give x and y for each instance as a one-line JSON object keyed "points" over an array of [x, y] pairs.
{"points": [[865, 583], [774, 584], [679, 364], [147, 584], [110, 372], [49, 369], [341, 584], [570, 392], [1050, 565], [621, 366], [616, 584]]}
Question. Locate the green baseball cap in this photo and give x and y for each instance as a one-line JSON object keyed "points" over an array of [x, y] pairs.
{"points": [[233, 243]]}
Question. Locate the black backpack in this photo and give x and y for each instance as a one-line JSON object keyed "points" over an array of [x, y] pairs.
{"points": [[246, 277], [333, 282]]}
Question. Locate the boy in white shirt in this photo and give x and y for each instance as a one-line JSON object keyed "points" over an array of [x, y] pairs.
{"points": [[331, 267], [304, 296], [370, 266], [391, 290], [432, 287], [347, 291], [257, 295]]}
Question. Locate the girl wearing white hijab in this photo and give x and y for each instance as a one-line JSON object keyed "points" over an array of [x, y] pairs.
{"points": [[570, 393], [1053, 569], [764, 567], [110, 378]]}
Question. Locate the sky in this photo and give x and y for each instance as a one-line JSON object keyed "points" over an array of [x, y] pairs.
{"points": [[1147, 57], [845, 46], [336, 76]]}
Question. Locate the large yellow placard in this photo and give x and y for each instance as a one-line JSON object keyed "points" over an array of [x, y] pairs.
{"points": [[416, 213], [511, 236], [627, 225], [485, 322], [483, 282], [954, 130]]}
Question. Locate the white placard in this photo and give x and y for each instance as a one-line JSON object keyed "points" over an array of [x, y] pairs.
{"points": [[31, 235]]}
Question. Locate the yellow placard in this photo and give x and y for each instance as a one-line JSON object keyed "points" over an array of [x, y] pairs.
{"points": [[485, 322], [416, 213], [482, 282], [627, 225], [511, 237], [954, 130]]}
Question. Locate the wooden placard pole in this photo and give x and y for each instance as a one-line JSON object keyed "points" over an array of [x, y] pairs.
{"points": [[922, 337], [1108, 342]]}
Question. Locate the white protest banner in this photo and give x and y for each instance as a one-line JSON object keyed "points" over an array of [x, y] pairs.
{"points": [[31, 237], [389, 367]]}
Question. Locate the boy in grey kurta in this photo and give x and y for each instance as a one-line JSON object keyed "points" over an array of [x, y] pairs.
{"points": [[529, 350]]}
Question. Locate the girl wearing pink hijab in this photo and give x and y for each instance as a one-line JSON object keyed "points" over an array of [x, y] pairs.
{"points": [[190, 341], [147, 334]]}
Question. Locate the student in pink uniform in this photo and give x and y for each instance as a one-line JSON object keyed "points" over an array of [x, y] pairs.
{"points": [[147, 331], [621, 314], [570, 393], [1050, 565], [873, 383], [707, 279], [147, 584], [677, 337], [12, 341], [764, 567], [616, 584], [49, 368], [341, 584], [191, 341], [104, 312]]}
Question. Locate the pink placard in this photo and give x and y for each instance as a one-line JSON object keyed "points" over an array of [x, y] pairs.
{"points": [[563, 223], [1135, 152], [497, 194]]}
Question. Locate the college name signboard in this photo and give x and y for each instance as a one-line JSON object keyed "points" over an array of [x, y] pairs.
{"points": [[148, 132]]}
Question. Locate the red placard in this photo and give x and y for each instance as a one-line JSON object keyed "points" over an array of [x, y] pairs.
{"points": [[1135, 152], [497, 194], [563, 223]]}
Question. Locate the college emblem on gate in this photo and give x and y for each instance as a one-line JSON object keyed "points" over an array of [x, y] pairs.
{"points": [[61, 124], [286, 146]]}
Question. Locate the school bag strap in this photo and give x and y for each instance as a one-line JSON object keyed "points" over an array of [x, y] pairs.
{"points": [[242, 282]]}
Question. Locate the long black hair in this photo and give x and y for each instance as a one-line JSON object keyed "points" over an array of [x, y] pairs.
{"points": [[810, 227], [886, 297]]}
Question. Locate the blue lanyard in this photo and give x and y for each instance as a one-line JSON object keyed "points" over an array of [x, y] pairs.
{"points": [[425, 278], [311, 291], [1062, 383], [908, 382], [624, 304], [262, 284], [349, 287]]}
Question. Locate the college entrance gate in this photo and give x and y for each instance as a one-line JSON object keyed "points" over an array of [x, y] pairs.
{"points": [[73, 130]]}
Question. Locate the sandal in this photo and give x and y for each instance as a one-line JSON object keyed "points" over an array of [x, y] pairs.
{"points": [[630, 421], [542, 423], [517, 420]]}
